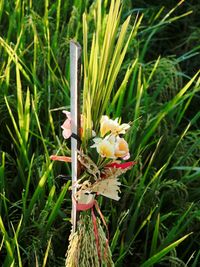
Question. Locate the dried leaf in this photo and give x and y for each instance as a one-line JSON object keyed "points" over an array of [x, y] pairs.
{"points": [[89, 164], [108, 187]]}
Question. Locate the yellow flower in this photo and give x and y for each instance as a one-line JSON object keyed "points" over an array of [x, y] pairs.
{"points": [[121, 148], [113, 126]]}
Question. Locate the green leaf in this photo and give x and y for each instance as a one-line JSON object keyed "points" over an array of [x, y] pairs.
{"points": [[157, 257]]}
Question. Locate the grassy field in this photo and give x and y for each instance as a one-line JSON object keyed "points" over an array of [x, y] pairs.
{"points": [[140, 63]]}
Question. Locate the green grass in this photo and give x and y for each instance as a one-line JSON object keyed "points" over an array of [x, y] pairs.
{"points": [[156, 220]]}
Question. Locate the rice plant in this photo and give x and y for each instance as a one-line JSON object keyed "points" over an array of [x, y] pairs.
{"points": [[156, 221]]}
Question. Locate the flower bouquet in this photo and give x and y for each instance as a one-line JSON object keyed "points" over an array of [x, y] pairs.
{"points": [[101, 164]]}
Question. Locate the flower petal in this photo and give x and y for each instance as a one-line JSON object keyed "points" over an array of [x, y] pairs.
{"points": [[124, 165], [61, 158]]}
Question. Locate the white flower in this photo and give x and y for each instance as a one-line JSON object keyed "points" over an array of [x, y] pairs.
{"points": [[104, 147], [112, 126], [112, 147]]}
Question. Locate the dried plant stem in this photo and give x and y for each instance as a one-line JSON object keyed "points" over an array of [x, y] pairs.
{"points": [[82, 250]]}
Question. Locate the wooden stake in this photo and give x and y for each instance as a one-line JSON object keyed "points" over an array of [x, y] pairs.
{"points": [[75, 80]]}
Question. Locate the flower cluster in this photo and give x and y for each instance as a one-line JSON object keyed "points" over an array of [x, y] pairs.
{"points": [[111, 145]]}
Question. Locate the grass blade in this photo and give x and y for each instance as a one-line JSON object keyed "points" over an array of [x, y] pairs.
{"points": [[157, 257]]}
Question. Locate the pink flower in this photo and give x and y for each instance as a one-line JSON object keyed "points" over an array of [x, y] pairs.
{"points": [[66, 126]]}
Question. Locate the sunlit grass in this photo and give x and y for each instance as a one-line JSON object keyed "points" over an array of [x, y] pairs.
{"points": [[159, 206]]}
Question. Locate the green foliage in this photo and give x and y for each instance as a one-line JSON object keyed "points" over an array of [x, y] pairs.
{"points": [[128, 72]]}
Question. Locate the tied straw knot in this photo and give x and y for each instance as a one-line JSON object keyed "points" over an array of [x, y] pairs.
{"points": [[90, 206]]}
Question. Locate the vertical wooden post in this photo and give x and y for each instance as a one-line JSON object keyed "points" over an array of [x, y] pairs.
{"points": [[75, 81]]}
